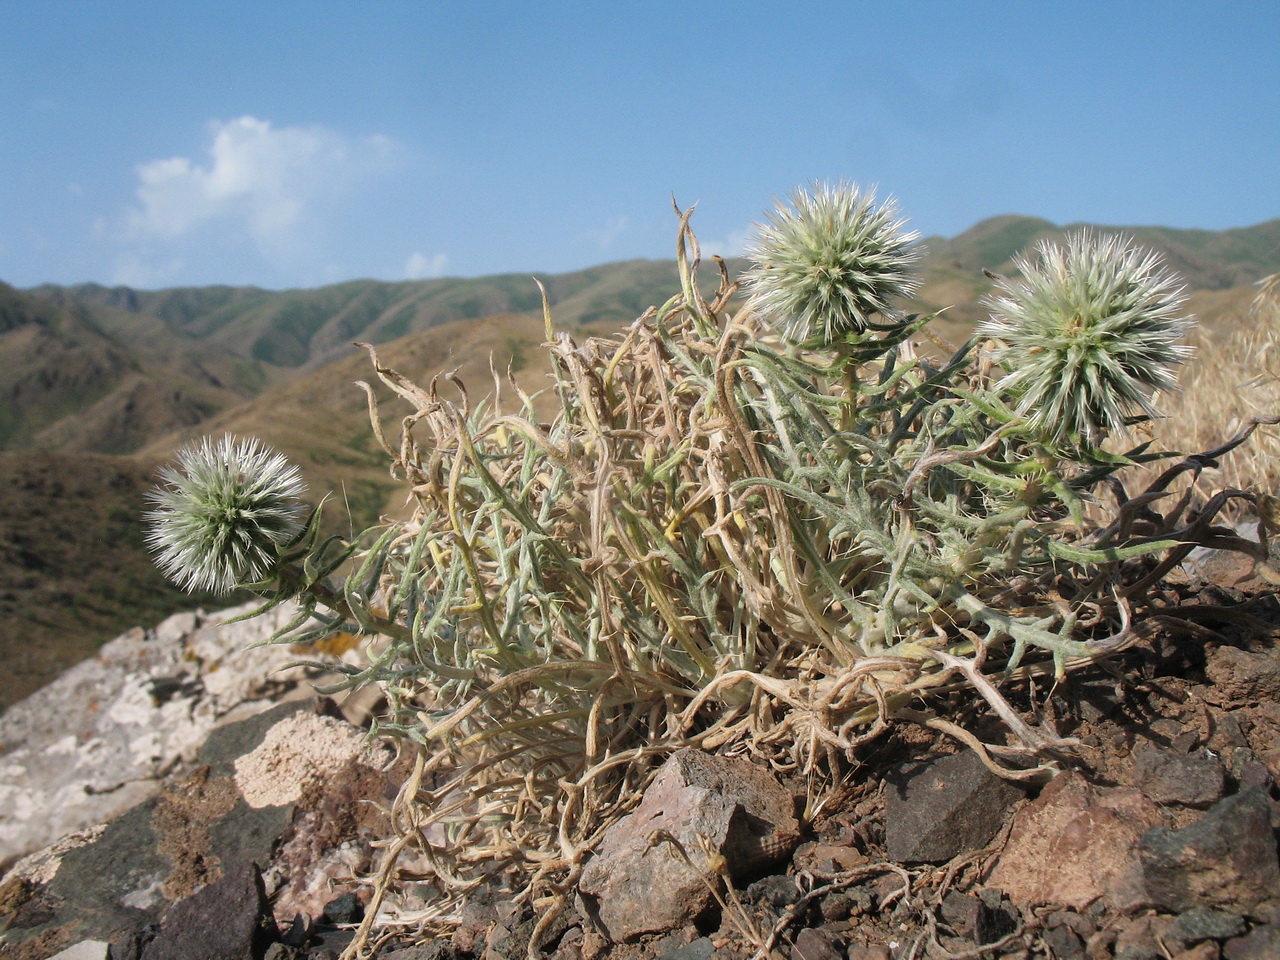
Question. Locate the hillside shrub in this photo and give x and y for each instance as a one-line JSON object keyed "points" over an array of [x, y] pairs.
{"points": [[769, 524]]}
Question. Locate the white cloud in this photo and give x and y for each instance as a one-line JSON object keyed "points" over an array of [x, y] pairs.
{"points": [[258, 174], [733, 244], [604, 236], [421, 267], [142, 273], [260, 186]]}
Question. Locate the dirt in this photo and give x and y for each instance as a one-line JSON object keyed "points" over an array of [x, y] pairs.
{"points": [[1153, 838], [1139, 848]]}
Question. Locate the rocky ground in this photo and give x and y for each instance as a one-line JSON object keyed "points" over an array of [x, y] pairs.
{"points": [[233, 819]]}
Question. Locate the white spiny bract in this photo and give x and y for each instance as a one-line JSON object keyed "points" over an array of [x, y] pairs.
{"points": [[223, 512], [829, 262], [1089, 331]]}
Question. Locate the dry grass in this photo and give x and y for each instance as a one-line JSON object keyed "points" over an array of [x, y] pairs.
{"points": [[1235, 376]]}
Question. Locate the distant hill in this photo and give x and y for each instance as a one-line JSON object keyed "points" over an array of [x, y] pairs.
{"points": [[99, 385], [110, 369], [305, 329], [79, 376], [1205, 259], [321, 419], [73, 568]]}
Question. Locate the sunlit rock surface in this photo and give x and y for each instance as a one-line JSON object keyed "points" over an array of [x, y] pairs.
{"points": [[98, 739]]}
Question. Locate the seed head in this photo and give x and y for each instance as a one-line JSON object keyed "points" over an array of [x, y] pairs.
{"points": [[222, 513], [1089, 331], [829, 262]]}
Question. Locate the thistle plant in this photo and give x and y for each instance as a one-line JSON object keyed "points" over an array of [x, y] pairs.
{"points": [[1090, 330], [715, 542], [223, 513], [828, 264]]}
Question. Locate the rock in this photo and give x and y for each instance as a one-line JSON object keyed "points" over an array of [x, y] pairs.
{"points": [[1262, 943], [1073, 844], [1205, 923], [85, 950], [435, 950], [103, 888], [329, 944], [939, 808], [1208, 950], [962, 913], [861, 901], [1262, 721], [777, 892], [836, 906], [997, 919], [1063, 943], [509, 938], [1082, 925], [828, 860], [344, 909], [1168, 777], [1142, 939], [1241, 677], [132, 945], [230, 919], [100, 738], [115, 882], [640, 882], [298, 758], [812, 944], [479, 915], [700, 949], [1226, 859], [298, 932]]}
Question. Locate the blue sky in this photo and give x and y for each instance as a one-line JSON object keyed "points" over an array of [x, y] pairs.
{"points": [[290, 144]]}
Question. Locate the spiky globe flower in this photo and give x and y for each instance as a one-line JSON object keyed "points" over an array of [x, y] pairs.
{"points": [[222, 513], [829, 262], [1090, 330]]}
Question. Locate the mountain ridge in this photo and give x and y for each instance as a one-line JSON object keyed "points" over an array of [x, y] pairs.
{"points": [[106, 382]]}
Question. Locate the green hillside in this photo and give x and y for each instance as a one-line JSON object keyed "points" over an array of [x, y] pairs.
{"points": [[1206, 260], [305, 329]]}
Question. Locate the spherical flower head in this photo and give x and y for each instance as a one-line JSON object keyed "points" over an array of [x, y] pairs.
{"points": [[223, 512], [829, 262], [1090, 330]]}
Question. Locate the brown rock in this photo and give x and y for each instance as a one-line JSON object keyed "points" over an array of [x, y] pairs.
{"points": [[1239, 676], [1074, 844], [939, 808], [1168, 777], [826, 860], [228, 920], [641, 882], [869, 951], [1226, 859], [1204, 923], [1063, 943], [1260, 944], [961, 913], [814, 944], [1142, 938], [1201, 951], [480, 914]]}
